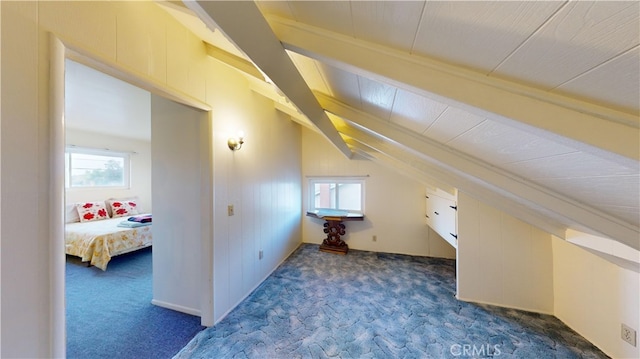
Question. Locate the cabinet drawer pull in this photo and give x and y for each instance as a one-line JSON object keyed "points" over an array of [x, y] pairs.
{"points": [[437, 213], [427, 215], [454, 207], [454, 235]]}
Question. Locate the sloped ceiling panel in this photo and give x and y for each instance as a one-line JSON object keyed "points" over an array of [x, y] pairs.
{"points": [[313, 76], [615, 81], [582, 35], [500, 85], [499, 181], [325, 14], [461, 31], [498, 144], [415, 112], [378, 21], [376, 97], [501, 145], [451, 124], [342, 84], [569, 46], [508, 102], [379, 148], [243, 24]]}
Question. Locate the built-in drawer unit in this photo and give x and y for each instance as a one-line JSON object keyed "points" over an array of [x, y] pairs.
{"points": [[442, 216]]}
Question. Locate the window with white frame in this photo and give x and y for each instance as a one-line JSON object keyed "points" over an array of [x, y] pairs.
{"points": [[96, 168], [345, 194]]}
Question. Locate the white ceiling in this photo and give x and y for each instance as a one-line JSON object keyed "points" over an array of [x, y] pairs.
{"points": [[557, 46], [579, 59], [95, 102]]}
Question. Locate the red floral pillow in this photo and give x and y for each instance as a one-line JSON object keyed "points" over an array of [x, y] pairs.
{"points": [[91, 211], [122, 208]]}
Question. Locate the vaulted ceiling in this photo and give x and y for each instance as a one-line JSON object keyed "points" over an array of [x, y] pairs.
{"points": [[532, 107]]}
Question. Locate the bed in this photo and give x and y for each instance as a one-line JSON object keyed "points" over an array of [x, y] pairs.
{"points": [[98, 240]]}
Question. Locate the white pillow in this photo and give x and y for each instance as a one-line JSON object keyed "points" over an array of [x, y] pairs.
{"points": [[123, 208], [71, 214], [135, 199], [91, 211]]}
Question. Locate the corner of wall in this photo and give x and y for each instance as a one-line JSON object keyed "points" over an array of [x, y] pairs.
{"points": [[594, 297], [502, 260]]}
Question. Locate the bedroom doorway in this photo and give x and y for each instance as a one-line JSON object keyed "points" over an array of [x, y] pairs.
{"points": [[201, 244], [107, 134]]}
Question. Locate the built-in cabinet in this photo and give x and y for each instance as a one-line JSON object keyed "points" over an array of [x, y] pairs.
{"points": [[442, 215]]}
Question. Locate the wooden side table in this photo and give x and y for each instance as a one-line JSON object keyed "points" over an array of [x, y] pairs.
{"points": [[334, 228]]}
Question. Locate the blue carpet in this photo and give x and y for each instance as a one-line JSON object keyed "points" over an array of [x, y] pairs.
{"points": [[368, 305], [110, 315]]}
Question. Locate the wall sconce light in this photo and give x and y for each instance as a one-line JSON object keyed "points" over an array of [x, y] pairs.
{"points": [[236, 143]]}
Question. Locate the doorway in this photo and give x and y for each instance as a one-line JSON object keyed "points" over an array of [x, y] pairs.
{"points": [[202, 245]]}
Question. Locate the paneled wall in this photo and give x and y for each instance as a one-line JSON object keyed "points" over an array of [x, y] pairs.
{"points": [[594, 297], [140, 167], [146, 43], [24, 165], [394, 204], [502, 260], [180, 211], [262, 183]]}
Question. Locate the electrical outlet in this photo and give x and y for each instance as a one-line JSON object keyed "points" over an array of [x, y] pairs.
{"points": [[260, 254], [628, 334], [230, 210], [375, 238]]}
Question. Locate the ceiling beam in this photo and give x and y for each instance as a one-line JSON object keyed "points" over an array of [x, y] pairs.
{"points": [[378, 148], [399, 166], [280, 102], [478, 172], [244, 25], [257, 83], [233, 61], [587, 126]]}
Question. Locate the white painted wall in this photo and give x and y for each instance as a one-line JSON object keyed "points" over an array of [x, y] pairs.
{"points": [[502, 260], [606, 248], [145, 42], [262, 182], [140, 167], [594, 296], [178, 160], [24, 162], [394, 204]]}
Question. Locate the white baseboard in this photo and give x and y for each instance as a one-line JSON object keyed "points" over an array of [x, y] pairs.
{"points": [[257, 285], [177, 308], [505, 306]]}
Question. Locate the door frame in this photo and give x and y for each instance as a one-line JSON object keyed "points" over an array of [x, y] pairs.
{"points": [[59, 51]]}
